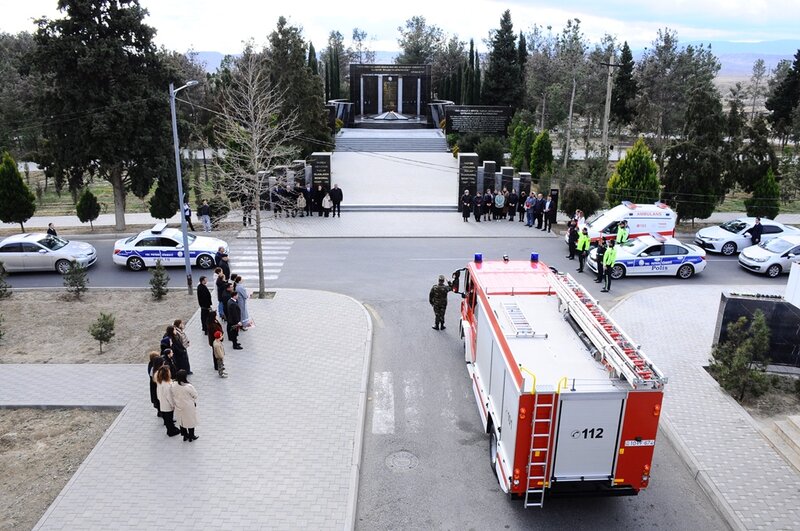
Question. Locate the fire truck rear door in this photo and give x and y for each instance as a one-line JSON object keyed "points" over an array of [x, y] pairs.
{"points": [[588, 429]]}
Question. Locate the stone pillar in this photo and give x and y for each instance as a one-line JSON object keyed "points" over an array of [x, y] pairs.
{"points": [[515, 185], [419, 96], [321, 169], [524, 183], [506, 177], [361, 100], [467, 175], [380, 93], [400, 94], [298, 168], [489, 177]]}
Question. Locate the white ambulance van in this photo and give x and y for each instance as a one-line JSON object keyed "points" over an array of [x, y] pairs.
{"points": [[642, 220]]}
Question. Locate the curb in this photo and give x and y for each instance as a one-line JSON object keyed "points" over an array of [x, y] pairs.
{"points": [[358, 443]]}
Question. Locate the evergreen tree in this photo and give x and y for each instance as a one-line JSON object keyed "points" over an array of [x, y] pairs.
{"points": [[418, 42], [694, 177], [784, 99], [312, 59], [765, 201], [104, 72], [88, 209], [521, 145], [579, 196], [75, 280], [164, 203], [541, 157], [17, 203], [158, 281], [754, 157], [623, 97], [102, 330], [635, 178], [490, 148], [522, 58], [287, 72], [468, 85], [501, 84], [738, 362], [477, 95]]}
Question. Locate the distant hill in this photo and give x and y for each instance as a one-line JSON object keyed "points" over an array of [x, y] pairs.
{"points": [[737, 58]]}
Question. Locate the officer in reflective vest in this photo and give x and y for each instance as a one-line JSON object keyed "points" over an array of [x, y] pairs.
{"points": [[608, 265], [583, 248], [622, 232]]}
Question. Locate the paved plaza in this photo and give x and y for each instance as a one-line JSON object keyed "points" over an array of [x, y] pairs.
{"points": [[280, 439]]}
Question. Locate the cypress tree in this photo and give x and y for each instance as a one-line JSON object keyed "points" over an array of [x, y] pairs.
{"points": [[522, 57], [477, 93], [501, 85], [784, 99], [623, 99], [312, 59], [17, 203]]}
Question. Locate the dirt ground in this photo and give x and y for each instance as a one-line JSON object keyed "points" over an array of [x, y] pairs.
{"points": [[42, 327], [40, 450]]}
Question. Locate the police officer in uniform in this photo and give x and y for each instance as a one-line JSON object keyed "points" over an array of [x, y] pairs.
{"points": [[622, 232], [583, 248], [601, 251], [609, 258], [438, 299]]}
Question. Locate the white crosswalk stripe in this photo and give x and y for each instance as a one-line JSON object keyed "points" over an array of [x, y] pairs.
{"points": [[244, 258], [398, 402]]}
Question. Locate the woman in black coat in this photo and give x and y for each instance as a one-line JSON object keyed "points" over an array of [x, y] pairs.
{"points": [[179, 351], [155, 363]]}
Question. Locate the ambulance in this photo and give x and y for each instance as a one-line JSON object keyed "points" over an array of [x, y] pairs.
{"points": [[569, 401], [642, 220]]}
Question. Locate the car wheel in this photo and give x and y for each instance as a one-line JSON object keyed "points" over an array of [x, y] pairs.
{"points": [[63, 266], [728, 249], [617, 271], [205, 261], [774, 270], [493, 449], [135, 263], [685, 271]]}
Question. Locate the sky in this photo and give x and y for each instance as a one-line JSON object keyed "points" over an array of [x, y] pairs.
{"points": [[211, 25]]}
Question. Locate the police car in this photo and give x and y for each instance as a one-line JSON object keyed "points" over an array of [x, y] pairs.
{"points": [[654, 255], [162, 243]]}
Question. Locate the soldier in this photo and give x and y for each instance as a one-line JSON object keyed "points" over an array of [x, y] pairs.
{"points": [[438, 299]]}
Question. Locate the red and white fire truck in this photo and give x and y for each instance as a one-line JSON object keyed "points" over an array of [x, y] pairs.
{"points": [[570, 402]]}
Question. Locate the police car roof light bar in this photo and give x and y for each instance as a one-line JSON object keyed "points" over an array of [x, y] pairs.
{"points": [[158, 228]]}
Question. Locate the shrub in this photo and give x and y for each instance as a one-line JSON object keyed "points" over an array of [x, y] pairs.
{"points": [[467, 142], [490, 148], [765, 201], [4, 286], [102, 330], [158, 281], [75, 280], [579, 196], [636, 177], [739, 361], [220, 206], [87, 208]]}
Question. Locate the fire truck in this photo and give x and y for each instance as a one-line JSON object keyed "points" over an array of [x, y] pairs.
{"points": [[569, 401]]}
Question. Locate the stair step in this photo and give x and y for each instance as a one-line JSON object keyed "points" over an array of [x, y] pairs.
{"points": [[777, 441], [789, 434], [795, 419]]}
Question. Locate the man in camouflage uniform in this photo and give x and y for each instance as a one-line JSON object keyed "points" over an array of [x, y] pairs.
{"points": [[438, 299]]}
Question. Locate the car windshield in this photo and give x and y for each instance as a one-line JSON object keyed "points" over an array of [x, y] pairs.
{"points": [[53, 243], [636, 246], [734, 225], [600, 222], [776, 246]]}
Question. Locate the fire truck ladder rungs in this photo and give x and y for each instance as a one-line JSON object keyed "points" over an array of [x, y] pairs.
{"points": [[522, 328], [617, 349], [540, 449]]}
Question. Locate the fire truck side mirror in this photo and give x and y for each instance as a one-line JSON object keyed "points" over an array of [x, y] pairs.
{"points": [[454, 284]]}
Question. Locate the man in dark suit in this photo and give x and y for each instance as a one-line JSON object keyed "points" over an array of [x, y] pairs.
{"points": [[234, 318], [538, 211], [336, 197], [308, 195], [204, 301]]}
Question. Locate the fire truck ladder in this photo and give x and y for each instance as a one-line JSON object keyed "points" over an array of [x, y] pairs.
{"points": [[617, 351]]}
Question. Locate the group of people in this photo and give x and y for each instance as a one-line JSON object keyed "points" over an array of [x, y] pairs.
{"points": [[579, 243], [203, 213], [298, 202], [500, 205], [174, 398]]}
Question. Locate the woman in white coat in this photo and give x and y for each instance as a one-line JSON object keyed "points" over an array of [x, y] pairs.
{"points": [[166, 401], [185, 397]]}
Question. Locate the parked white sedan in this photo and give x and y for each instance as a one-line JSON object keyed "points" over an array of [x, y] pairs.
{"points": [[772, 257], [734, 235], [161, 243], [654, 255], [37, 251]]}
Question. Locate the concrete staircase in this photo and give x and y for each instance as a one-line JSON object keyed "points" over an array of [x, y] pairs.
{"points": [[395, 144], [784, 436]]}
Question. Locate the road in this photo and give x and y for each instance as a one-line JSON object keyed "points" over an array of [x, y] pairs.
{"points": [[426, 463]]}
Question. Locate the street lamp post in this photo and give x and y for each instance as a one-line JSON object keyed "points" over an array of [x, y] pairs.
{"points": [[186, 257]]}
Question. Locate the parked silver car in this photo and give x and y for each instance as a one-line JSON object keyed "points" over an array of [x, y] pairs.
{"points": [[37, 251], [773, 257], [734, 235]]}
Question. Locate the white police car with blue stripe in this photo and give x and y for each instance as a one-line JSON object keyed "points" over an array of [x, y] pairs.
{"points": [[654, 255], [162, 243]]}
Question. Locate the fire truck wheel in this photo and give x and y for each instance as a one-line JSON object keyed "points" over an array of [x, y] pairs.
{"points": [[493, 449]]}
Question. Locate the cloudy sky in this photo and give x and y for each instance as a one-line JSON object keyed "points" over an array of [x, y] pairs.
{"points": [[211, 25]]}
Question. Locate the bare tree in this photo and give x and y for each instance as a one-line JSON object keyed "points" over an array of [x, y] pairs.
{"points": [[258, 139], [757, 89]]}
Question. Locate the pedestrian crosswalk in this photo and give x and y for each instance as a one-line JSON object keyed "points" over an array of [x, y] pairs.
{"points": [[243, 258], [401, 403]]}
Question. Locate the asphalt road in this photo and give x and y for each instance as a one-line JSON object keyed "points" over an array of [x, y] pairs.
{"points": [[427, 465]]}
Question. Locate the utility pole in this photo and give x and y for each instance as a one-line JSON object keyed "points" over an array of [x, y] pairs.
{"points": [[607, 115]]}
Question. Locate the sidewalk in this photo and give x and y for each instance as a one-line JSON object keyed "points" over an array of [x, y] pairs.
{"points": [[280, 439], [355, 224], [751, 485]]}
